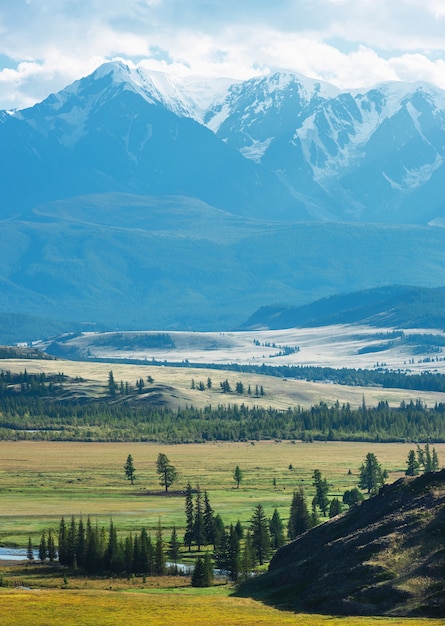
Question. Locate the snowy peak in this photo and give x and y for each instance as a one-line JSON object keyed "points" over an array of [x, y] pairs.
{"points": [[368, 154], [256, 111]]}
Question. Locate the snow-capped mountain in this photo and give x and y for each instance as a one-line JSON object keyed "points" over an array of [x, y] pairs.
{"points": [[144, 200], [120, 130], [280, 146]]}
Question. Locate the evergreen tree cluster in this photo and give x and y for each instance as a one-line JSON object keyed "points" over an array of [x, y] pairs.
{"points": [[99, 551], [422, 458], [24, 416]]}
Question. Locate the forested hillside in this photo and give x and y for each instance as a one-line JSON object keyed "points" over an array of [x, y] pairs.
{"points": [[36, 407]]}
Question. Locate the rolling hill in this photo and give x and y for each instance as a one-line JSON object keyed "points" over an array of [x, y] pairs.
{"points": [[383, 557]]}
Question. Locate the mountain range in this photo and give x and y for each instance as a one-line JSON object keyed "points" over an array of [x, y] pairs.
{"points": [[137, 199]]}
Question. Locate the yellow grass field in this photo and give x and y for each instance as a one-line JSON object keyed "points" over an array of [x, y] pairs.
{"points": [[280, 393], [40, 481], [163, 608]]}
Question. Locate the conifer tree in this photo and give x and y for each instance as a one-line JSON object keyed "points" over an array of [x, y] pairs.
{"points": [[167, 472], [233, 554], [237, 476], [29, 550], [174, 549], [188, 536], [129, 469], [276, 530], [159, 554], [321, 491], [42, 547], [199, 535], [371, 474], [80, 544], [128, 554], [209, 520], [299, 517], [221, 551], [247, 560], [334, 507], [259, 528], [203, 572], [412, 464], [51, 547]]}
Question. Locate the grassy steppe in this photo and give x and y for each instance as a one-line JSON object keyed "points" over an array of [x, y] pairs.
{"points": [[181, 607], [40, 481], [175, 385]]}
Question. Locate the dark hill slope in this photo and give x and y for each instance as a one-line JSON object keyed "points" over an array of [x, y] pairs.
{"points": [[394, 306], [384, 557]]}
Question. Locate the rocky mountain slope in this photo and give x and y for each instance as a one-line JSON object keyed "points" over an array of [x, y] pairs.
{"points": [[383, 557]]}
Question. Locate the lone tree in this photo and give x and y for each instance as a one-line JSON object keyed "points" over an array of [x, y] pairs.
{"points": [[237, 476], [371, 474], [167, 472], [129, 469]]}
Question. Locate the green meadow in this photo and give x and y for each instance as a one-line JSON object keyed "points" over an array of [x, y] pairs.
{"points": [[41, 481]]}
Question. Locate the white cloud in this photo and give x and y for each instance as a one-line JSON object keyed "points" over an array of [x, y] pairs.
{"points": [[46, 45]]}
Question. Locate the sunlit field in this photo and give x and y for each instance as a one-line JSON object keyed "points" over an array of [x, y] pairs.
{"points": [[41, 481], [162, 607]]}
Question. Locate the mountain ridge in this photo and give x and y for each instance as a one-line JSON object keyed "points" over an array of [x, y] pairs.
{"points": [[393, 306], [313, 151]]}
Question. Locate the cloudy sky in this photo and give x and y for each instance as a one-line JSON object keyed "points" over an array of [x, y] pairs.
{"points": [[46, 44]]}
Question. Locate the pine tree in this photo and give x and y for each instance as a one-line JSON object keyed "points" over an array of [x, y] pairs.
{"points": [[112, 386], [321, 491], [80, 544], [167, 472], [199, 535], [146, 554], [128, 554], [221, 551], [209, 520], [237, 476], [188, 536], [315, 520], [51, 547], [233, 554], [247, 561], [42, 547], [371, 474], [159, 553], [174, 549], [299, 518], [71, 544], [203, 572], [219, 529], [29, 550], [130, 472], [239, 530], [412, 463], [276, 530], [334, 507], [259, 528]]}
